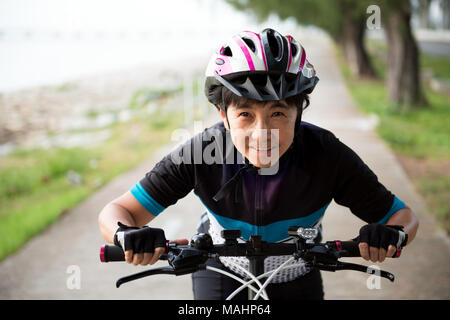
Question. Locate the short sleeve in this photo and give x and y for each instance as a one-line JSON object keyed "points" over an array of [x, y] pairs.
{"points": [[171, 179], [357, 187]]}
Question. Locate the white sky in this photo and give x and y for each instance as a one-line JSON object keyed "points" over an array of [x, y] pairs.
{"points": [[41, 40], [137, 15]]}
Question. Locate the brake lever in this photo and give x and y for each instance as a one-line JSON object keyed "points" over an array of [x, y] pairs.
{"points": [[350, 266], [365, 269], [161, 270]]}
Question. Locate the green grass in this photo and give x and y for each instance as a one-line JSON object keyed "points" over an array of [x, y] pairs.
{"points": [[440, 66], [421, 134], [143, 96], [35, 190], [418, 133]]}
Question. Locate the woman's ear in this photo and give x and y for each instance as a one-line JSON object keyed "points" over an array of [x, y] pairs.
{"points": [[224, 117]]}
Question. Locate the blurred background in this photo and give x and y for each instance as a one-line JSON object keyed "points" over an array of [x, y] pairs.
{"points": [[89, 90]]}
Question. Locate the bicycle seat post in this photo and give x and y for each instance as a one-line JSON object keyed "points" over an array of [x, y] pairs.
{"points": [[256, 260]]}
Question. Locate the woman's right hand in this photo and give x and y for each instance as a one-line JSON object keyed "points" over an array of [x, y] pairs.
{"points": [[142, 246]]}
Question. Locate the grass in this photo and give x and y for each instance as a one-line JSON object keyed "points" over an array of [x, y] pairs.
{"points": [[440, 66], [34, 185], [420, 137]]}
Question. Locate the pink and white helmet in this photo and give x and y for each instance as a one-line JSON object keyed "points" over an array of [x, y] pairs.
{"points": [[264, 66]]}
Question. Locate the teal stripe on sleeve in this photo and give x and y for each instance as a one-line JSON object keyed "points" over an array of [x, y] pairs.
{"points": [[146, 200], [397, 205]]}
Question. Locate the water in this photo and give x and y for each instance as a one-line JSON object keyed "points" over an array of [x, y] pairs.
{"points": [[52, 42], [48, 42]]}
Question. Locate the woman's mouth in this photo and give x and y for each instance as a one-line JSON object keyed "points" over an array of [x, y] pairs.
{"points": [[265, 151]]}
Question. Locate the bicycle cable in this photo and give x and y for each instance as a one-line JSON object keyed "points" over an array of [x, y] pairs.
{"points": [[272, 275], [235, 292], [245, 284]]}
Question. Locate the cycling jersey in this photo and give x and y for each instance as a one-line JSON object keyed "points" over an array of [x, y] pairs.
{"points": [[316, 169]]}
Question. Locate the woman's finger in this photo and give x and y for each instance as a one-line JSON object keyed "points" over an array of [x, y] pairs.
{"points": [[364, 250], [180, 241], [146, 259], [156, 254], [391, 251], [381, 254], [137, 258], [373, 254], [129, 256]]}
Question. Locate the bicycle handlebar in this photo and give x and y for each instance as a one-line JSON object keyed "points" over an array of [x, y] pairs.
{"points": [[185, 259], [113, 253]]}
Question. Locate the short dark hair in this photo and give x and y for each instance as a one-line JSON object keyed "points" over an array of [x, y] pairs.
{"points": [[301, 101]]}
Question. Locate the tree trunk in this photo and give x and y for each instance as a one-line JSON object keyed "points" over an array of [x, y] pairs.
{"points": [[352, 42], [403, 77], [445, 6], [423, 12]]}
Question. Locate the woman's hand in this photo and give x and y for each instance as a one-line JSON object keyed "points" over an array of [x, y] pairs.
{"points": [[149, 258], [144, 245], [377, 241]]}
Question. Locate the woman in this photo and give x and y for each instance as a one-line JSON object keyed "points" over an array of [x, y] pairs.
{"points": [[261, 170]]}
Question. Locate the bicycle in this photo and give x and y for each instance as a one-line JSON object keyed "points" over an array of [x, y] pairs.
{"points": [[185, 259]]}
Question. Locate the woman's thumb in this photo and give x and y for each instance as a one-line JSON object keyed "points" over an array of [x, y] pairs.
{"points": [[180, 241]]}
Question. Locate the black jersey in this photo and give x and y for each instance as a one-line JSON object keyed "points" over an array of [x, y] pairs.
{"points": [[316, 169]]}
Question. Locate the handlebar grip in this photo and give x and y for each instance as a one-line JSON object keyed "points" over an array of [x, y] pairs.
{"points": [[110, 252], [349, 248]]}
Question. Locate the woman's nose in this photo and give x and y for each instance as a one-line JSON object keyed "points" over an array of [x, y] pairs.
{"points": [[260, 133]]}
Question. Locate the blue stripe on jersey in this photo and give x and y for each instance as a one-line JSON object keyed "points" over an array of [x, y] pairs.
{"points": [[146, 200], [272, 232], [397, 205]]}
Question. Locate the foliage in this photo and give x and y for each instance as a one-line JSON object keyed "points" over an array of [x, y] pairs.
{"points": [[420, 136], [328, 15]]}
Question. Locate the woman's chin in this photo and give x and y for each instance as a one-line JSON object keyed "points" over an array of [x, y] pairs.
{"points": [[262, 161]]}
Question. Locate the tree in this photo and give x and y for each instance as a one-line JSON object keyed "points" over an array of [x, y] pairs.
{"points": [[343, 20], [403, 76]]}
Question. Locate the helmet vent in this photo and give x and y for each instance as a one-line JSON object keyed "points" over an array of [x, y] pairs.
{"points": [[263, 92], [275, 45], [291, 87], [243, 90], [294, 49], [227, 52], [250, 44]]}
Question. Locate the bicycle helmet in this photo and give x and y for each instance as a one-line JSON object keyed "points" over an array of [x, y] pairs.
{"points": [[264, 66]]}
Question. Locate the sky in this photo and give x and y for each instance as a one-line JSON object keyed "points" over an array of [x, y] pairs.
{"points": [[98, 14], [49, 41]]}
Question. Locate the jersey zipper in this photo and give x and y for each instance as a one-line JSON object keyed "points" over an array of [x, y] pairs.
{"points": [[258, 203]]}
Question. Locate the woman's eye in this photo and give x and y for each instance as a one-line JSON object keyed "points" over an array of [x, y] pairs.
{"points": [[244, 114], [277, 114]]}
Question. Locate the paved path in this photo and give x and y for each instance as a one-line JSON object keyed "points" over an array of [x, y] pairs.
{"points": [[39, 269], [436, 48], [422, 272]]}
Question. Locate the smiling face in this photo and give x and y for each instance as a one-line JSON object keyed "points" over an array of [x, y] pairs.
{"points": [[261, 131]]}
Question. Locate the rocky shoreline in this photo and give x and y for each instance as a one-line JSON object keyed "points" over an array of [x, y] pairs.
{"points": [[48, 109]]}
